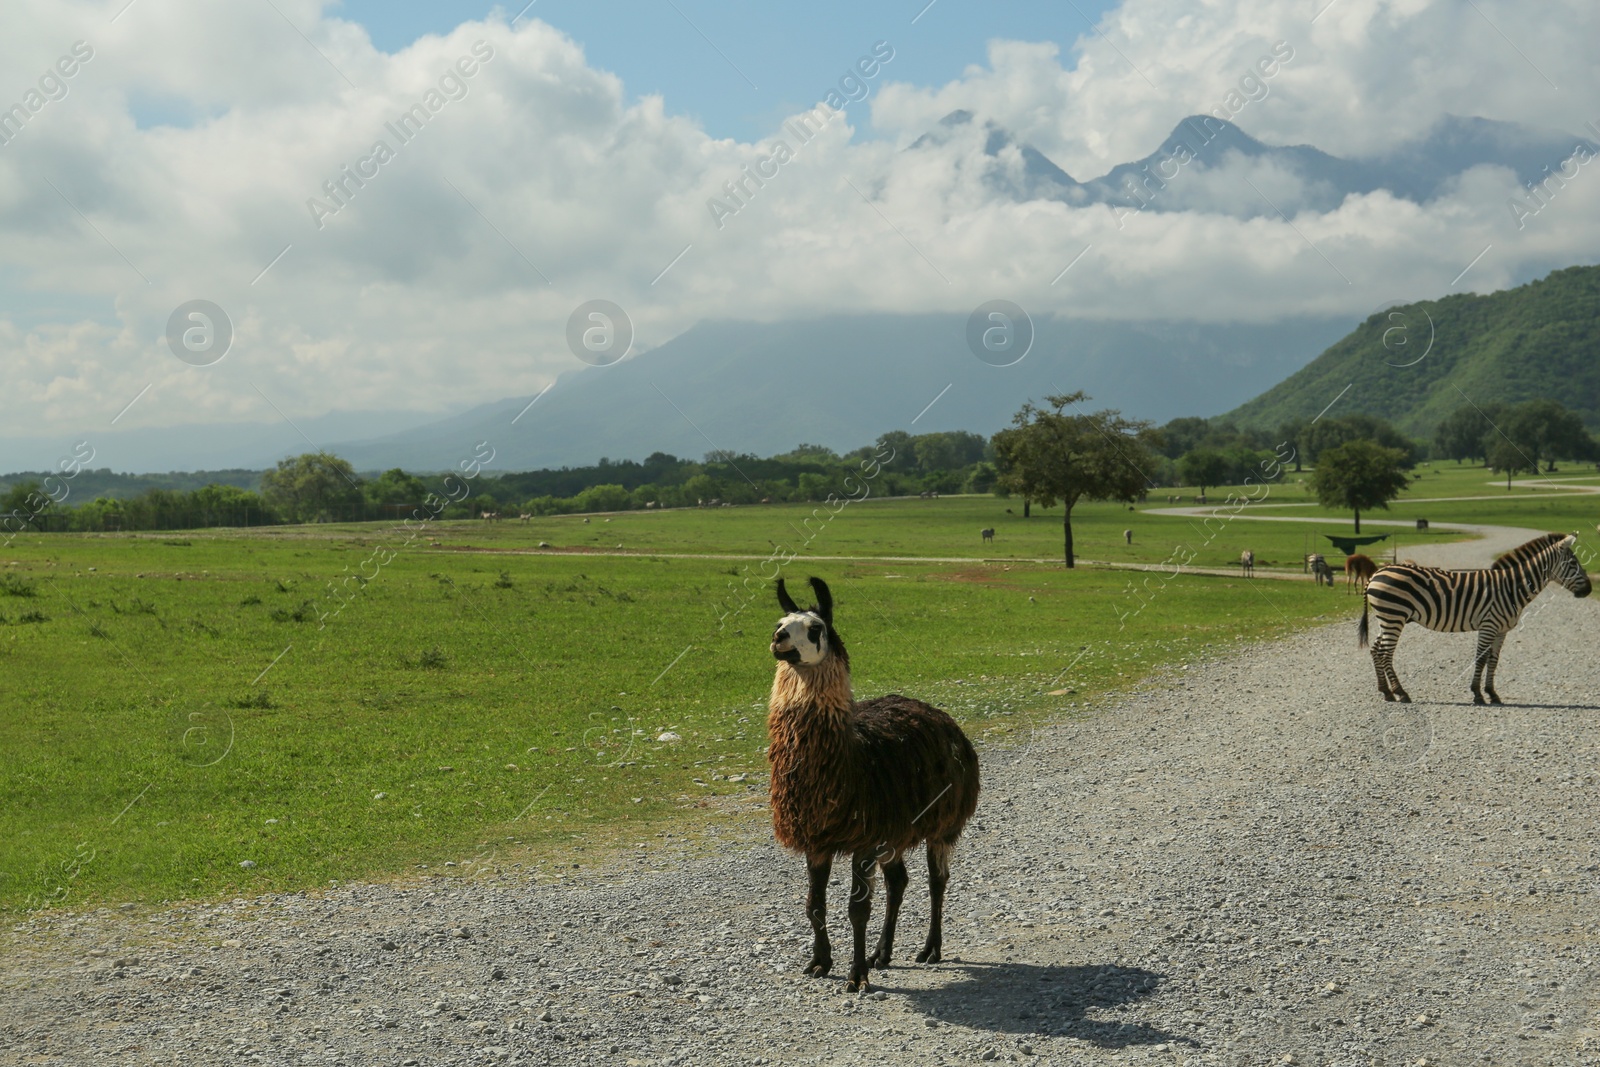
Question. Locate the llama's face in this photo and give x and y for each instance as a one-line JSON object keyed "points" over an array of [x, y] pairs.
{"points": [[801, 637]]}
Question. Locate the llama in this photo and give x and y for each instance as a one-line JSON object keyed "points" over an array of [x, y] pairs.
{"points": [[1358, 568], [988, 535], [1247, 563], [873, 778], [1320, 571]]}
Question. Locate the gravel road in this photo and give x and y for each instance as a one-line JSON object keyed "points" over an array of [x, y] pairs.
{"points": [[1246, 861]]}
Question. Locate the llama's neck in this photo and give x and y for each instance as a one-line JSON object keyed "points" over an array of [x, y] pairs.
{"points": [[822, 689]]}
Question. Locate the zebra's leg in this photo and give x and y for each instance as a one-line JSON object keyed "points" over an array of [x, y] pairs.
{"points": [[1480, 660], [1494, 661], [1383, 650]]}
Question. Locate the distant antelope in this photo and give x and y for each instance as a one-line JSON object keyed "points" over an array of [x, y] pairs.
{"points": [[1358, 568], [1247, 563], [988, 535], [524, 516], [491, 516]]}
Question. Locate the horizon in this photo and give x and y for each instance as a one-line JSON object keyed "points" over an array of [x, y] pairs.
{"points": [[392, 214]]}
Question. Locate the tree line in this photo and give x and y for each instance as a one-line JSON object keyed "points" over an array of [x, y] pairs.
{"points": [[1055, 452]]}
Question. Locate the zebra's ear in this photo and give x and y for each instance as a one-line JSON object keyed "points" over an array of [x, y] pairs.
{"points": [[1569, 540], [824, 600], [785, 601]]}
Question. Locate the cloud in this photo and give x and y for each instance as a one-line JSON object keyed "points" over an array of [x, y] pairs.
{"points": [[443, 273]]}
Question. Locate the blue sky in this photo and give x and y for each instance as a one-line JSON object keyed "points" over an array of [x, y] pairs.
{"points": [[755, 62]]}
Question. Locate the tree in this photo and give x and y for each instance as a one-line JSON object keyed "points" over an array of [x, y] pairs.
{"points": [[1290, 433], [1505, 457], [311, 486], [395, 486], [1359, 475], [1548, 432], [1461, 434], [1203, 468], [1049, 457], [1333, 432]]}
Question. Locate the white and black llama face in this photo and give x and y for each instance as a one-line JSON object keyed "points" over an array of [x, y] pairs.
{"points": [[803, 637]]}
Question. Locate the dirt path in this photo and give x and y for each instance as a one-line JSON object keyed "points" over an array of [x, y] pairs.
{"points": [[1241, 862]]}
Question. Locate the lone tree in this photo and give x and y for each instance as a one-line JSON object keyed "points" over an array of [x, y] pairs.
{"points": [[1505, 457], [310, 485], [1049, 456], [1359, 475], [1204, 467]]}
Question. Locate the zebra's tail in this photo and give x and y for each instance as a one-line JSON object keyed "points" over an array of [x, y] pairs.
{"points": [[1361, 630]]}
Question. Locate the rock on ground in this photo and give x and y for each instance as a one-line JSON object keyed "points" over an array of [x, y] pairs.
{"points": [[1248, 861]]}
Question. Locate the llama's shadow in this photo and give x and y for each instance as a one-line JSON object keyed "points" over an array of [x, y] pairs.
{"points": [[1026, 998]]}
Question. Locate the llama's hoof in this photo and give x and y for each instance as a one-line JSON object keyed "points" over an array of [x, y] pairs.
{"points": [[819, 966], [879, 958], [929, 954], [858, 979]]}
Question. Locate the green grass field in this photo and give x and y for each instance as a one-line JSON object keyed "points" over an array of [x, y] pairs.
{"points": [[178, 706]]}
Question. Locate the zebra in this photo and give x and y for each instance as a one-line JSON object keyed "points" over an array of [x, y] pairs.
{"points": [[1247, 563], [988, 534], [1489, 601], [1320, 571]]}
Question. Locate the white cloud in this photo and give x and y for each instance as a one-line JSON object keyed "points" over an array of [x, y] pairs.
{"points": [[428, 287]]}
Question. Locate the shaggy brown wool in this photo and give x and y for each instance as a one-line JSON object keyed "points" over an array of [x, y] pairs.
{"points": [[878, 775]]}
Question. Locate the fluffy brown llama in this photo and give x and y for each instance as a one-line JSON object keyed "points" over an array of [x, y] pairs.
{"points": [[1358, 568], [872, 778]]}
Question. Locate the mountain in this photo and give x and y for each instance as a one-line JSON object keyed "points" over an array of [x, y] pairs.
{"points": [[1210, 164], [1415, 363], [842, 381]]}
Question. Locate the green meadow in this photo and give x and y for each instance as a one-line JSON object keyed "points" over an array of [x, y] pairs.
{"points": [[228, 712]]}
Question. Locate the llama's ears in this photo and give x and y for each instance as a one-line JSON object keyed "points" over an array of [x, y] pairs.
{"points": [[785, 601], [824, 600]]}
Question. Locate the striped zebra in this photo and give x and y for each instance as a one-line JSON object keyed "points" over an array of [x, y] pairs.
{"points": [[1488, 601]]}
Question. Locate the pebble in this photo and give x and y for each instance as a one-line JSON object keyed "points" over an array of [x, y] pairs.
{"points": [[1168, 845]]}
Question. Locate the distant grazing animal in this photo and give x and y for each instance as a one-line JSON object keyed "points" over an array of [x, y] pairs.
{"points": [[1358, 568], [988, 535], [1127, 535], [524, 516], [491, 516], [1247, 563], [1320, 571], [874, 778], [1489, 601]]}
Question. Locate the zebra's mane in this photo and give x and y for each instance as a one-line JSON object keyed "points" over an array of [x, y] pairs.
{"points": [[1527, 551]]}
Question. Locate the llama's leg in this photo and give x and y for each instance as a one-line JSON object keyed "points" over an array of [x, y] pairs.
{"points": [[894, 879], [817, 911], [1480, 660], [863, 873], [938, 875], [1494, 662]]}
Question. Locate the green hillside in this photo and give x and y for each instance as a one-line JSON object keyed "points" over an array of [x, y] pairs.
{"points": [[1541, 340]]}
